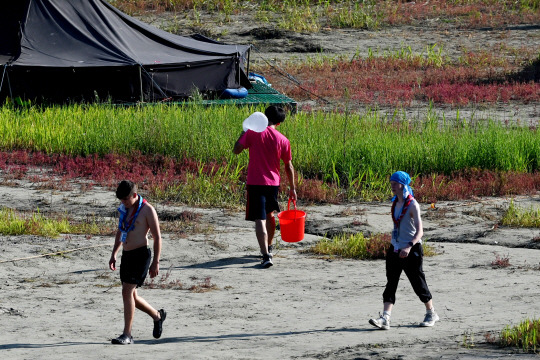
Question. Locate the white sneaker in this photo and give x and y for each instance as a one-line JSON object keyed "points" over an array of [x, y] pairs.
{"points": [[429, 319], [383, 322]]}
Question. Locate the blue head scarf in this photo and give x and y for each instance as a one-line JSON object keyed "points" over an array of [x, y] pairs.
{"points": [[402, 177]]}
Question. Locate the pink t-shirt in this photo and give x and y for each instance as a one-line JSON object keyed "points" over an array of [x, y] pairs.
{"points": [[266, 149]]}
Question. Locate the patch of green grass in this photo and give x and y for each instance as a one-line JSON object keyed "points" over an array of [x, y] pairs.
{"points": [[525, 335], [429, 250], [353, 246], [299, 18], [520, 217], [356, 246], [35, 223], [468, 339], [14, 223], [356, 15]]}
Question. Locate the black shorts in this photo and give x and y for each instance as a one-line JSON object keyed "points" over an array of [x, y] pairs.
{"points": [[261, 200], [135, 265]]}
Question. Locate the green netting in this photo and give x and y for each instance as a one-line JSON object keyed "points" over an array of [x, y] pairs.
{"points": [[258, 94]]}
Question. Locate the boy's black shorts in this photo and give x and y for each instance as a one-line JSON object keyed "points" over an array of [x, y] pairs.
{"points": [[261, 200], [135, 265]]}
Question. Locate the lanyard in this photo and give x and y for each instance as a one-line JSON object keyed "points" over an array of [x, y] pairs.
{"points": [[123, 214], [403, 211]]}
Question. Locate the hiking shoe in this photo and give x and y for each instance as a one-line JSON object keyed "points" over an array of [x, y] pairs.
{"points": [[123, 340], [266, 261], [158, 324], [383, 322], [270, 252], [429, 319]]}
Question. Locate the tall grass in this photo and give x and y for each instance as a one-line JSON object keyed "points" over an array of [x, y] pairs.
{"points": [[181, 131], [218, 187], [347, 149]]}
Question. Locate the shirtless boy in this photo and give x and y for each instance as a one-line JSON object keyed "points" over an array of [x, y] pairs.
{"points": [[137, 217]]}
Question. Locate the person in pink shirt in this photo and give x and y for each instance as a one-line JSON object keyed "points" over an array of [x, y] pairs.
{"points": [[266, 151]]}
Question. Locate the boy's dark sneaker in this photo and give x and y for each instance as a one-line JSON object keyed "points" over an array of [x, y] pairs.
{"points": [[266, 261], [270, 250], [158, 324]]}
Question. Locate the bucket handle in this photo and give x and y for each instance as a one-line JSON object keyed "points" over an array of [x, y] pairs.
{"points": [[289, 204], [289, 207]]}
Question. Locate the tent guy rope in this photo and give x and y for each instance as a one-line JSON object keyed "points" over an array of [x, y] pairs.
{"points": [[291, 78], [54, 253]]}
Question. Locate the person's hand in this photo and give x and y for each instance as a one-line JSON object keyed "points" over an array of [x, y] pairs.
{"points": [[292, 195], [154, 269], [112, 263], [403, 253]]}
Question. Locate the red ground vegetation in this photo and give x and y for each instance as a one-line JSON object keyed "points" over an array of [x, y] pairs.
{"points": [[473, 182], [158, 173], [478, 78], [469, 14], [150, 172]]}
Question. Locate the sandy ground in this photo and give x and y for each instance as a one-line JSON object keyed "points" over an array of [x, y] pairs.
{"points": [[305, 307]]}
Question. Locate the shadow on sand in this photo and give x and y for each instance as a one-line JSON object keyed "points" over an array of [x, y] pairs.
{"points": [[247, 336], [249, 261]]}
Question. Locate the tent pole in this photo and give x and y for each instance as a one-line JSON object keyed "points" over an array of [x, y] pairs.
{"points": [[140, 81], [3, 74], [249, 55], [151, 77], [9, 84]]}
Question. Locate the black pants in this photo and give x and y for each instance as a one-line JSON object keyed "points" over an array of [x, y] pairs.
{"points": [[412, 265], [261, 200], [135, 265]]}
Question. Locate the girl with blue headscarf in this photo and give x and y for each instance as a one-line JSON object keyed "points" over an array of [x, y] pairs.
{"points": [[405, 253]]}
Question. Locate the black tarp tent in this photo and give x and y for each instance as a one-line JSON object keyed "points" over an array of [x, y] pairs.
{"points": [[83, 50]]}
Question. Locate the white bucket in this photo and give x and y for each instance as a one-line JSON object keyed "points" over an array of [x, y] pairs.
{"points": [[257, 122]]}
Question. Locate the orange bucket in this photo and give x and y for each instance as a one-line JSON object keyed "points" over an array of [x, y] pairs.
{"points": [[292, 223]]}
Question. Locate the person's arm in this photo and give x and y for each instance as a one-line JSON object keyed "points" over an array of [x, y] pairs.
{"points": [[238, 148], [153, 224], [116, 248], [289, 170], [415, 213]]}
